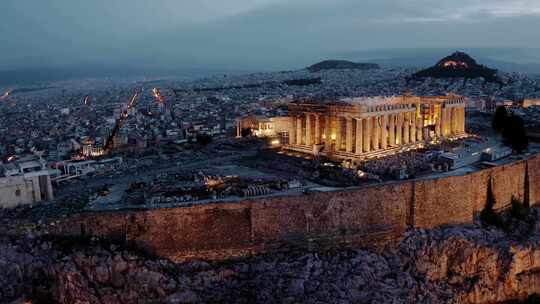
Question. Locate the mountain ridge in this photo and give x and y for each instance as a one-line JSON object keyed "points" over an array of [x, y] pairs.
{"points": [[333, 64]]}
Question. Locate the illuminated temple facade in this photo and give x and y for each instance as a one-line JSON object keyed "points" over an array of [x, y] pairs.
{"points": [[369, 127]]}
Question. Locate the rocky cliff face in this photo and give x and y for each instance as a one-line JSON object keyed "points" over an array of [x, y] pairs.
{"points": [[473, 265], [449, 265]]}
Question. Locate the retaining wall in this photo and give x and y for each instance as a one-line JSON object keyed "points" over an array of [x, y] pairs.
{"points": [[365, 217]]}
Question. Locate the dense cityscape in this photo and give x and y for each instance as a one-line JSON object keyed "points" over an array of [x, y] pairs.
{"points": [[94, 145], [190, 124], [242, 153]]}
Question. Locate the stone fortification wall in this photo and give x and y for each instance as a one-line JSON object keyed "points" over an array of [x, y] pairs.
{"points": [[456, 199], [366, 216]]}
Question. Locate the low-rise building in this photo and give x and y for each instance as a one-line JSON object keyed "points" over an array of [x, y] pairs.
{"points": [[24, 183]]}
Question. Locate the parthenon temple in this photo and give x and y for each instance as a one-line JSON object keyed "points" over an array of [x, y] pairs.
{"points": [[368, 127]]}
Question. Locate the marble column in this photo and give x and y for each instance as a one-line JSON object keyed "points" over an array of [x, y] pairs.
{"points": [[459, 116], [328, 133], [349, 135], [399, 129], [339, 136], [419, 129], [375, 133], [292, 131], [317, 129], [449, 121], [462, 115], [413, 127], [366, 128], [309, 141], [299, 127], [443, 122], [383, 132], [359, 136], [456, 121], [392, 130], [440, 122], [406, 127]]}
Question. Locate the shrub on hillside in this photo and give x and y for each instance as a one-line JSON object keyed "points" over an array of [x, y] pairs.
{"points": [[519, 210], [491, 218], [204, 139]]}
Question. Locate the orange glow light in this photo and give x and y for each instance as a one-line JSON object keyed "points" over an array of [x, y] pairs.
{"points": [[455, 64]]}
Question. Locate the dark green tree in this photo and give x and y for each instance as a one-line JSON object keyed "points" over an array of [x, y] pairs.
{"points": [[499, 119], [519, 210], [514, 133], [204, 139], [246, 132], [488, 216]]}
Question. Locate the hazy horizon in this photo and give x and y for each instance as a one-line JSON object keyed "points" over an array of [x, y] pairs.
{"points": [[255, 35]]}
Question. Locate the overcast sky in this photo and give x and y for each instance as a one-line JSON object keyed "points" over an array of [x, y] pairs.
{"points": [[251, 34]]}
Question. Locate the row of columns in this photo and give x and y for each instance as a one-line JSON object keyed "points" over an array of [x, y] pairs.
{"points": [[450, 121], [367, 134], [356, 135]]}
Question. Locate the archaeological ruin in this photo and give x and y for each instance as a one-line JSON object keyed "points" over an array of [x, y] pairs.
{"points": [[361, 128]]}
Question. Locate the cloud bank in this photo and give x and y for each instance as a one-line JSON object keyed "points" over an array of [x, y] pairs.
{"points": [[251, 34]]}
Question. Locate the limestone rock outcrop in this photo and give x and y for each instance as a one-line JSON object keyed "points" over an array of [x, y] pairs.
{"points": [[459, 264]]}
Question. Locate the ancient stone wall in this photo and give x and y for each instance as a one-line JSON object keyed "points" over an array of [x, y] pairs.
{"points": [[533, 166], [456, 199], [443, 201], [365, 216]]}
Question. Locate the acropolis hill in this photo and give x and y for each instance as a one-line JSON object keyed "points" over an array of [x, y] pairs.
{"points": [[403, 198], [376, 240], [370, 216]]}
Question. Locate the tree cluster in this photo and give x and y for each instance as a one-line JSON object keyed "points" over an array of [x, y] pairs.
{"points": [[204, 139], [246, 132], [512, 129], [519, 220]]}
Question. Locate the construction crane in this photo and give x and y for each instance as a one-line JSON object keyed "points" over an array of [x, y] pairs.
{"points": [[109, 144]]}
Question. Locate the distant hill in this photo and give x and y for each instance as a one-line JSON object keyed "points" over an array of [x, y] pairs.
{"points": [[419, 62], [508, 60], [341, 65], [458, 65]]}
